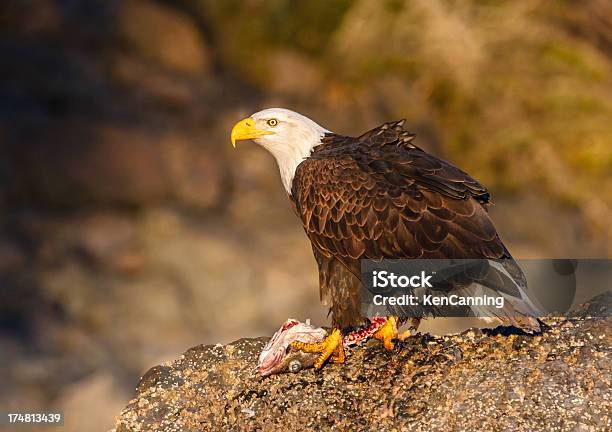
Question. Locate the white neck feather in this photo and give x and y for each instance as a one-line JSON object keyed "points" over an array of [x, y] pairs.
{"points": [[288, 159], [292, 145]]}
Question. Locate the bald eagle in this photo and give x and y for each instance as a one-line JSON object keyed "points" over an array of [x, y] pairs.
{"points": [[374, 196]]}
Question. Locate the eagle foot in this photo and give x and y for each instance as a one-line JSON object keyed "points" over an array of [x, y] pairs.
{"points": [[388, 332], [414, 325], [330, 348]]}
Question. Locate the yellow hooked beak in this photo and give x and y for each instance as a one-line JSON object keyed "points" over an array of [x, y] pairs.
{"points": [[245, 129]]}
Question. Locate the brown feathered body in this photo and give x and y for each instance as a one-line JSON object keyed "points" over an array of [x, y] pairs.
{"points": [[380, 196]]}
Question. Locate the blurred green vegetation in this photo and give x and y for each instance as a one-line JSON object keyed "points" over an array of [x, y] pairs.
{"points": [[519, 92]]}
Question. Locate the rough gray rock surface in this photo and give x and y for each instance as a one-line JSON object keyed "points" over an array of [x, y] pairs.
{"points": [[472, 381]]}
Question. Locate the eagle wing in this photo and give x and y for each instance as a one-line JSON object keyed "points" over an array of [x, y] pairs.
{"points": [[379, 196]]}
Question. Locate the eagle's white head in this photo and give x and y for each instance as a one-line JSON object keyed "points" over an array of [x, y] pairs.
{"points": [[289, 136]]}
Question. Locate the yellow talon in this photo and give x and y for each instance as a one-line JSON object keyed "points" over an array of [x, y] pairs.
{"points": [[404, 335], [388, 332], [330, 348]]}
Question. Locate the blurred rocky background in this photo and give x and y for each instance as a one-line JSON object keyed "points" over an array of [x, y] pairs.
{"points": [[129, 228]]}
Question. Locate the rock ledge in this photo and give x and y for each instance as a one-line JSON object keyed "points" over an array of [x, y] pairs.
{"points": [[557, 381]]}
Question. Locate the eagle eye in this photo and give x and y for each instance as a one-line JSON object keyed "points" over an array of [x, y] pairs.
{"points": [[272, 122]]}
